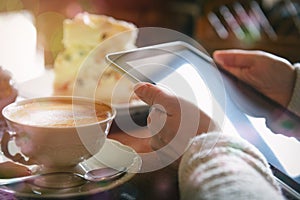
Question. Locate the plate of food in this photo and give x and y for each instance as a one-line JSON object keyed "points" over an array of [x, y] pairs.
{"points": [[80, 69]]}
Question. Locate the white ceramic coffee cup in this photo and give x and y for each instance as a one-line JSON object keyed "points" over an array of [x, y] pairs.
{"points": [[54, 147]]}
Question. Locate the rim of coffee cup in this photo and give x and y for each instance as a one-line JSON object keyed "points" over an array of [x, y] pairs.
{"points": [[86, 99]]}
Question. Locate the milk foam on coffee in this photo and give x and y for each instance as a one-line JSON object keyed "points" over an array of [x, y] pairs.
{"points": [[59, 113]]}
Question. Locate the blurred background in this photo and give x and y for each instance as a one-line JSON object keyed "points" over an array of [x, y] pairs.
{"points": [[270, 25]]}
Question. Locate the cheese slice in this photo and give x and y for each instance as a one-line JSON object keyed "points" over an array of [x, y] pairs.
{"points": [[81, 70]]}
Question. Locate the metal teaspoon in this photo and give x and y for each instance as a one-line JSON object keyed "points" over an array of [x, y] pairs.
{"points": [[62, 180]]}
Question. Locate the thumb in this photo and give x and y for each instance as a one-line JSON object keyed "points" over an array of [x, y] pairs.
{"points": [[152, 95], [149, 93]]}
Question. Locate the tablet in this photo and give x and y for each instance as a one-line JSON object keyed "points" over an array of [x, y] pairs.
{"points": [[192, 74]]}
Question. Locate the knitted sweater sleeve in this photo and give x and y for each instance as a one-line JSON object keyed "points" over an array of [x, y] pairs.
{"points": [[218, 166], [294, 104]]}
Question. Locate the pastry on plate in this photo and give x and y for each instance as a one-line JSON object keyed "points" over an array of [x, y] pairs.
{"points": [[81, 70]]}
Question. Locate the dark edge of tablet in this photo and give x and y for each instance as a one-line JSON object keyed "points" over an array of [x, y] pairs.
{"points": [[288, 185]]}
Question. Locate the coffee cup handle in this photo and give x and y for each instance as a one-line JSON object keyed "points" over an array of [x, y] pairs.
{"points": [[17, 157]]}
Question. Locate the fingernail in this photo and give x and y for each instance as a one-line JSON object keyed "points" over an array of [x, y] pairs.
{"points": [[219, 59], [137, 86]]}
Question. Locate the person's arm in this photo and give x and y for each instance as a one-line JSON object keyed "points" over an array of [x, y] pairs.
{"points": [[213, 165], [294, 104], [172, 120], [232, 169]]}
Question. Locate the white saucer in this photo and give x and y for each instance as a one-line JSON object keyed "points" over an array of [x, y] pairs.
{"points": [[113, 154]]}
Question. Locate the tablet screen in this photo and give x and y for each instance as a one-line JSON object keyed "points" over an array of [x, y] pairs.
{"points": [[192, 75]]}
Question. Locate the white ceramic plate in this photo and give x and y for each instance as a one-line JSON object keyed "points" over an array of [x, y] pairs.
{"points": [[40, 86], [43, 86], [113, 154]]}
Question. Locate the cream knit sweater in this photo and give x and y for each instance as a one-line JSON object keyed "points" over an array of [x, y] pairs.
{"points": [[231, 169], [228, 167]]}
